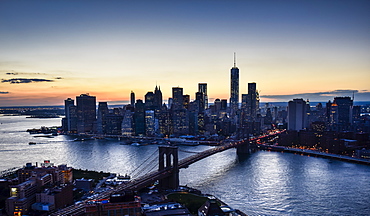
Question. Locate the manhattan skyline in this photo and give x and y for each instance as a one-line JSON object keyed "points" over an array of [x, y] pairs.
{"points": [[309, 49]]}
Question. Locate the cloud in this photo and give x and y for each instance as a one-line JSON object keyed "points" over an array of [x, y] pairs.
{"points": [[322, 96], [24, 80], [1, 92], [13, 72]]}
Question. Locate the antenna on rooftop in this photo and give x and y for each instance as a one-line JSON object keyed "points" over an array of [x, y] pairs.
{"points": [[234, 59], [353, 96]]}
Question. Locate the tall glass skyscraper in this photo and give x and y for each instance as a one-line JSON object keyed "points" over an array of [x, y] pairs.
{"points": [[202, 87], [86, 113], [234, 92]]}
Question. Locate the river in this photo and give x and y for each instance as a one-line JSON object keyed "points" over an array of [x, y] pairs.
{"points": [[263, 183]]}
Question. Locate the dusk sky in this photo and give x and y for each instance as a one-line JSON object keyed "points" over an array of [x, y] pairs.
{"points": [[52, 50]]}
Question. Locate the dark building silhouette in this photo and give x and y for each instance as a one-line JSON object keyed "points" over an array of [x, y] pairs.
{"points": [[165, 121], [149, 101], [139, 118], [113, 124], [234, 88], [103, 111], [86, 113], [186, 101], [252, 102], [180, 121], [150, 126], [177, 98], [199, 98], [158, 98], [297, 115], [69, 123], [223, 104], [202, 87], [132, 98], [341, 113]]}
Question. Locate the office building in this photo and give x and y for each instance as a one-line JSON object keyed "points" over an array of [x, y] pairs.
{"points": [[139, 118], [252, 102], [202, 87], [342, 113], [69, 122], [127, 123], [86, 113], [132, 98], [149, 123], [158, 98], [113, 124], [297, 115], [177, 98], [199, 98], [186, 101], [234, 88], [149, 100], [103, 111]]}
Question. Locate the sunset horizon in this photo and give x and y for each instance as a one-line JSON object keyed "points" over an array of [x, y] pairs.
{"points": [[57, 50]]}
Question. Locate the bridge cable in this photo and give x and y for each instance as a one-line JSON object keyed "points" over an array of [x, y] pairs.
{"points": [[192, 152], [135, 170], [144, 170]]}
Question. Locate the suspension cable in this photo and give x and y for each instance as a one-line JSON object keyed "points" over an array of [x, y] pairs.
{"points": [[146, 167], [132, 173]]}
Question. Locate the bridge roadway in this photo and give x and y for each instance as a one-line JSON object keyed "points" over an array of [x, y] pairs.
{"points": [[313, 153], [149, 178]]}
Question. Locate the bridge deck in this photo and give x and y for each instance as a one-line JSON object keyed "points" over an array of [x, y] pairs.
{"points": [[147, 179]]}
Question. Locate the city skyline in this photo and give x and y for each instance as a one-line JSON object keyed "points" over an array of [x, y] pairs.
{"points": [[55, 50]]}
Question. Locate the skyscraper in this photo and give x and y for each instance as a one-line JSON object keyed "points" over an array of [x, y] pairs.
{"points": [[139, 118], [132, 98], [177, 98], [199, 98], [202, 87], [158, 98], [149, 123], [70, 121], [297, 115], [252, 102], [186, 101], [103, 111], [86, 113], [149, 100], [342, 113], [234, 85]]}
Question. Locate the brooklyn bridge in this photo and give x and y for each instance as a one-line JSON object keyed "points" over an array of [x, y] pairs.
{"points": [[168, 168]]}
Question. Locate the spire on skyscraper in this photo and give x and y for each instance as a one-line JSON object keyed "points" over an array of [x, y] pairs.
{"points": [[234, 59]]}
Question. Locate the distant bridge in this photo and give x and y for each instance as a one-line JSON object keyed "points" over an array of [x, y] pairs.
{"points": [[169, 169], [313, 153]]}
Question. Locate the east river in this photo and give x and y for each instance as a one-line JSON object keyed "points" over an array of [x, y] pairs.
{"points": [[263, 183]]}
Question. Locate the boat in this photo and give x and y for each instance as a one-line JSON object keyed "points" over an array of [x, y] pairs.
{"points": [[31, 143], [83, 139]]}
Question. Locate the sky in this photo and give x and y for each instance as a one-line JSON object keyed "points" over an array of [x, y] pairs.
{"points": [[53, 50]]}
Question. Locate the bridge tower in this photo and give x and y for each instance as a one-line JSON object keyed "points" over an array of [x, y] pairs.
{"points": [[244, 147], [169, 160]]}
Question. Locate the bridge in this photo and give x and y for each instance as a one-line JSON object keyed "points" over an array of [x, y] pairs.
{"points": [[313, 153], [168, 172]]}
